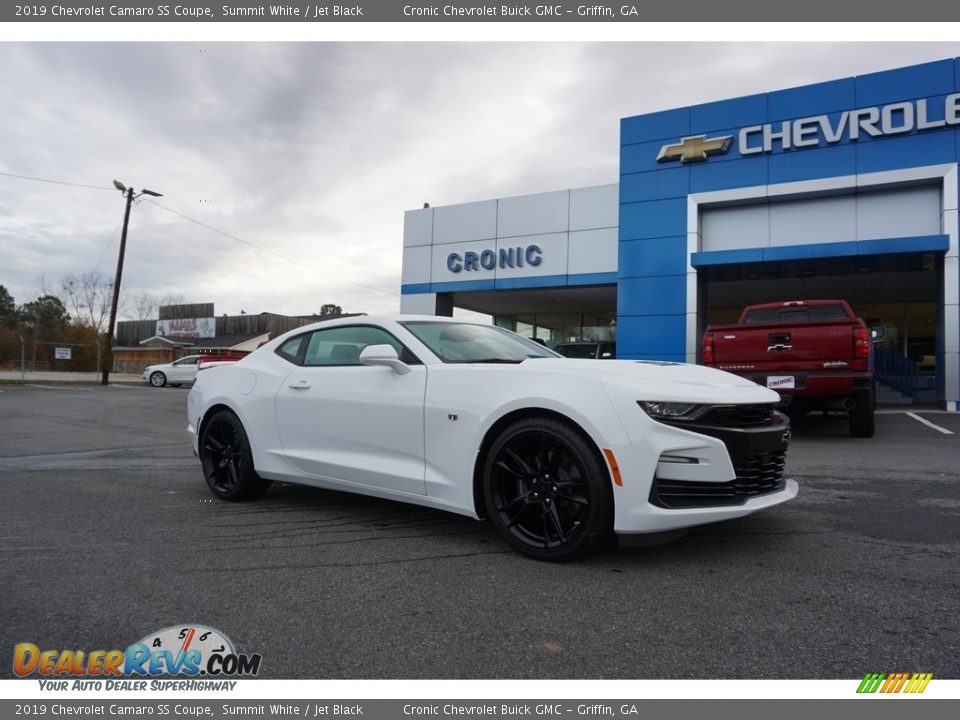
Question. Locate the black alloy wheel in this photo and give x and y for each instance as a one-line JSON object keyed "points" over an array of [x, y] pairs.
{"points": [[547, 490], [226, 459]]}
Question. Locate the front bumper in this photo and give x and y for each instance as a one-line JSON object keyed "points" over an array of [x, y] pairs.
{"points": [[684, 474], [654, 519]]}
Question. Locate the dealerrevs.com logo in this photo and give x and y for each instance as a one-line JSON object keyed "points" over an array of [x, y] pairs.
{"points": [[183, 650], [911, 683]]}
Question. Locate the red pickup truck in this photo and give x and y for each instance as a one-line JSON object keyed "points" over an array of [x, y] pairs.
{"points": [[815, 353]]}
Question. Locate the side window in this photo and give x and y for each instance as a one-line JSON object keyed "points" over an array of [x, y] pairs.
{"points": [[342, 345], [187, 361], [290, 350]]}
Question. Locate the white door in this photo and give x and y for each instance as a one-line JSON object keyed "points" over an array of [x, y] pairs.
{"points": [[183, 370], [339, 419]]}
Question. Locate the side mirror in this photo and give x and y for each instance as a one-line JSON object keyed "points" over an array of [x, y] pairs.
{"points": [[383, 355]]}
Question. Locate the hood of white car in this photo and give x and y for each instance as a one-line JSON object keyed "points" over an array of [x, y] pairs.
{"points": [[653, 380]]}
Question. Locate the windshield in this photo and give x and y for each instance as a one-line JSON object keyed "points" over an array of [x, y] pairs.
{"points": [[801, 313], [467, 343]]}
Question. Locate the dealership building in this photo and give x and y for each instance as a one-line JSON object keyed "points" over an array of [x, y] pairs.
{"points": [[844, 189]]}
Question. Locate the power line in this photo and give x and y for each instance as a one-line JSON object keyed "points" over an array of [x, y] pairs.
{"points": [[81, 185], [112, 238], [266, 250], [55, 182], [201, 224], [221, 232]]}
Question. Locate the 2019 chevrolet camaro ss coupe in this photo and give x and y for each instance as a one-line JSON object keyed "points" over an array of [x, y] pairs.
{"points": [[474, 419]]}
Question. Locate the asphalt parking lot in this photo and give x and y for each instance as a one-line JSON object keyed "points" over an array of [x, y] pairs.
{"points": [[108, 532]]}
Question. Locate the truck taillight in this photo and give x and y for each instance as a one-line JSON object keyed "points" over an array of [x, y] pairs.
{"points": [[861, 343], [708, 348]]}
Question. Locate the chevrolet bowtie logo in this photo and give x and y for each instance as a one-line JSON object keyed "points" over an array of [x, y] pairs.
{"points": [[695, 149]]}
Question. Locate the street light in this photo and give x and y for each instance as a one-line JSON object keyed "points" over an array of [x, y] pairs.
{"points": [[108, 356]]}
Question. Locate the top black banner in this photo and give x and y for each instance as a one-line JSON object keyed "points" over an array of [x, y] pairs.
{"points": [[399, 11]]}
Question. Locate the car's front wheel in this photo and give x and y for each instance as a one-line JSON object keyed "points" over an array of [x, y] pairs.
{"points": [[227, 461], [547, 490], [158, 379]]}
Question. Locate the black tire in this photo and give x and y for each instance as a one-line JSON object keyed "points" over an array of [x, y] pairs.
{"points": [[226, 459], [158, 379], [862, 415], [547, 490]]}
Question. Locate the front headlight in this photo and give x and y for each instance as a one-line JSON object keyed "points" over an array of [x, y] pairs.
{"points": [[673, 410]]}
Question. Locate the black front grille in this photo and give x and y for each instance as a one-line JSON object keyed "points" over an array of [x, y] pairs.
{"points": [[737, 416], [761, 473], [757, 474]]}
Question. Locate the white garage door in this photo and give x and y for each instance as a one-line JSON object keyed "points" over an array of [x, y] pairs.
{"points": [[901, 212]]}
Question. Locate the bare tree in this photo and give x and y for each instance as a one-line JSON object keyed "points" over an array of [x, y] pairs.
{"points": [[90, 296], [143, 305], [170, 299]]}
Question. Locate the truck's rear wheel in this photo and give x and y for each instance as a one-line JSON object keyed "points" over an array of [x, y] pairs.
{"points": [[861, 416]]}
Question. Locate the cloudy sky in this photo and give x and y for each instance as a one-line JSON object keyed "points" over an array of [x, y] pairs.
{"points": [[308, 154]]}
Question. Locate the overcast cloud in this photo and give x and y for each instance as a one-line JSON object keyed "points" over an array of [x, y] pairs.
{"points": [[313, 151]]}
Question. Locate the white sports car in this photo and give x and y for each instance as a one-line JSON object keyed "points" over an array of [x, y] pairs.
{"points": [[557, 453], [178, 372]]}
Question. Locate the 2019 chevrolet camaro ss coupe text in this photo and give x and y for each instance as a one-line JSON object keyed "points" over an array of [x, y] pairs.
{"points": [[557, 453]]}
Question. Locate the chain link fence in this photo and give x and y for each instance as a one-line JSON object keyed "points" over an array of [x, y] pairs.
{"points": [[47, 357]]}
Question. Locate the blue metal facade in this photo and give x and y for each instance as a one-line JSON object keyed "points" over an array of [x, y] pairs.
{"points": [[653, 245], [655, 262]]}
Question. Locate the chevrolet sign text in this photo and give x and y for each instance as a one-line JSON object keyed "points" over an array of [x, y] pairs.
{"points": [[894, 119]]}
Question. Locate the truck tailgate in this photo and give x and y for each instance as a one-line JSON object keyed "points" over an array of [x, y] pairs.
{"points": [[801, 346]]}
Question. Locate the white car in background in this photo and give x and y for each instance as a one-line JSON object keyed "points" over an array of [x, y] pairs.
{"points": [[178, 372], [559, 454]]}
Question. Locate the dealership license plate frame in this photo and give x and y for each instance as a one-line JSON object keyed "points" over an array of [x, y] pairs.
{"points": [[782, 382]]}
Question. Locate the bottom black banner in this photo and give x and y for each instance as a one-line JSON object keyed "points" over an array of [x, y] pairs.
{"points": [[854, 708]]}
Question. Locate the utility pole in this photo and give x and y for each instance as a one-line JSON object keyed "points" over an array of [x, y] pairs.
{"points": [[108, 359], [108, 355]]}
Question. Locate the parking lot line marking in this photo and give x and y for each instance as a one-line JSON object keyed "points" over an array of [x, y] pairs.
{"points": [[930, 424]]}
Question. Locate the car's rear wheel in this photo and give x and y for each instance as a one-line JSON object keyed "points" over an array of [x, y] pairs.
{"points": [[158, 379], [547, 490], [227, 461]]}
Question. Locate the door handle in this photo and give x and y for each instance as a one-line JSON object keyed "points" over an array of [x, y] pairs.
{"points": [[301, 385]]}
